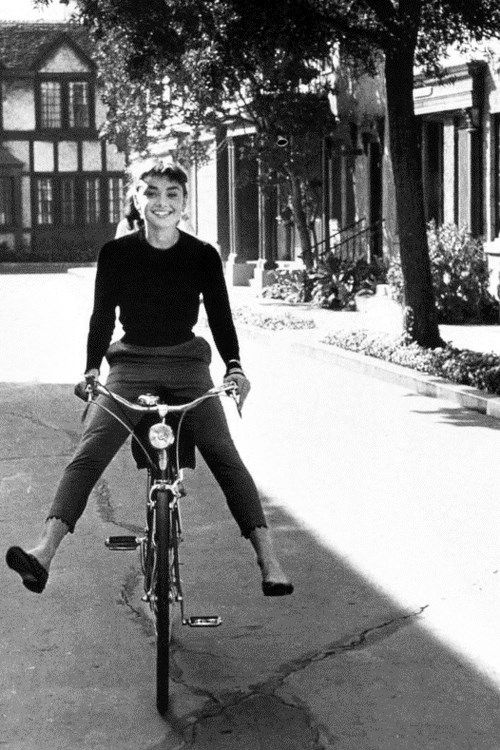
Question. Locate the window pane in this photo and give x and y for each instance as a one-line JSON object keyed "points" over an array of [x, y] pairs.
{"points": [[68, 200], [78, 104], [92, 202], [6, 200], [45, 201], [115, 193], [50, 95]]}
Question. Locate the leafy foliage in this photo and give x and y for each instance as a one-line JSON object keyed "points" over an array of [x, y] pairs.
{"points": [[333, 283], [169, 64], [462, 366], [64, 250], [256, 59], [271, 321], [285, 284], [406, 33], [460, 277]]}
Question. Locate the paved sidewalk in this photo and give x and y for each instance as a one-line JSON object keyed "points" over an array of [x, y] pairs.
{"points": [[377, 313]]}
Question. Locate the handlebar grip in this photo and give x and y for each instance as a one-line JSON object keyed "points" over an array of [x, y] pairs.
{"points": [[80, 390]]}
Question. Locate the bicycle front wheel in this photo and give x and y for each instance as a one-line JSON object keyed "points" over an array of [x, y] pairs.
{"points": [[163, 597]]}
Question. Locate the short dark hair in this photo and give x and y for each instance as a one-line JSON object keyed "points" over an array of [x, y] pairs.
{"points": [[160, 167]]}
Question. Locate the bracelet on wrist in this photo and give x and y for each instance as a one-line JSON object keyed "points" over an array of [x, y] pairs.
{"points": [[234, 371]]}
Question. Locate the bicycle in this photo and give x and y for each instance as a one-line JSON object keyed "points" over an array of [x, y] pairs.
{"points": [[159, 547]]}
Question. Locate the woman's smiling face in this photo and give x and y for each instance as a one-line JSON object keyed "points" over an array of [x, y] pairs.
{"points": [[160, 201]]}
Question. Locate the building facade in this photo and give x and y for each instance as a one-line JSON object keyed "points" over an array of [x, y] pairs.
{"points": [[460, 143], [61, 187]]}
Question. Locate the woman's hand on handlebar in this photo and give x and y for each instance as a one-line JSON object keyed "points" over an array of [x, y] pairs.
{"points": [[237, 376], [82, 388]]}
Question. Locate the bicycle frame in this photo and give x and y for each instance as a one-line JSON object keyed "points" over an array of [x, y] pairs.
{"points": [[159, 548]]}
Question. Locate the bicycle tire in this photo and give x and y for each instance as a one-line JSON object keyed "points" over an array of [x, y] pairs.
{"points": [[163, 599], [146, 551]]}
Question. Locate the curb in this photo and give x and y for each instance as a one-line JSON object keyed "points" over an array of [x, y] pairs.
{"points": [[425, 385]]}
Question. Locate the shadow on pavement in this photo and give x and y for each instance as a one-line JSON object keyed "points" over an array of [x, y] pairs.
{"points": [[458, 416], [336, 665]]}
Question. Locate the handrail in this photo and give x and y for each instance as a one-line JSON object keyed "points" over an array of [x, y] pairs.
{"points": [[336, 233], [354, 242]]}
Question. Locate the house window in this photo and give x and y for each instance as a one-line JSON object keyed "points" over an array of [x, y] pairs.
{"points": [[68, 201], [79, 115], [65, 104], [45, 201], [92, 201], [6, 201], [50, 104], [115, 193]]}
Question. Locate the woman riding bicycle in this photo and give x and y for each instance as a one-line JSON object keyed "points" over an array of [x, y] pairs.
{"points": [[155, 276]]}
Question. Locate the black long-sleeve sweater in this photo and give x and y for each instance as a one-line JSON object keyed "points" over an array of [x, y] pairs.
{"points": [[158, 293]]}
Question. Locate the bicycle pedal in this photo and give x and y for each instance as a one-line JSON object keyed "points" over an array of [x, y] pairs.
{"points": [[123, 543], [211, 621]]}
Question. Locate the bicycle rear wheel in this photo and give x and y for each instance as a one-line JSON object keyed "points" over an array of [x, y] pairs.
{"points": [[164, 596]]}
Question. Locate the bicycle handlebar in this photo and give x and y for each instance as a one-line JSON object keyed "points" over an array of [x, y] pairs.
{"points": [[161, 409]]}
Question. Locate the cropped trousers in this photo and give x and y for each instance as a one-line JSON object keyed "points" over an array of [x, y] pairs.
{"points": [[180, 372]]}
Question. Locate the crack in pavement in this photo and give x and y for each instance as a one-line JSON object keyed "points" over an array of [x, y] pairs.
{"points": [[106, 510], [268, 705], [262, 703], [223, 705], [130, 584], [365, 638], [73, 435]]}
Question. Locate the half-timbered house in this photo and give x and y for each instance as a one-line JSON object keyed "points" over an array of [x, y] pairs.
{"points": [[61, 187]]}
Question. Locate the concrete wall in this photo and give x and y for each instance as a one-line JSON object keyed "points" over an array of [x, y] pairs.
{"points": [[115, 160], [68, 156], [43, 152], [91, 156], [21, 150], [18, 105], [64, 60]]}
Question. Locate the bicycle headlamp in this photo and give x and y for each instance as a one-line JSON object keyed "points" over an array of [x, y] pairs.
{"points": [[161, 436]]}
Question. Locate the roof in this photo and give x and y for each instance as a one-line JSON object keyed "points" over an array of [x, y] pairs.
{"points": [[24, 45]]}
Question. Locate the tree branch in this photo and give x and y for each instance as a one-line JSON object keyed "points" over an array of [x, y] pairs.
{"points": [[380, 38], [384, 10]]}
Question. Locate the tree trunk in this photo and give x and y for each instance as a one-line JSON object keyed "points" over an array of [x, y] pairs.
{"points": [[300, 219], [404, 139]]}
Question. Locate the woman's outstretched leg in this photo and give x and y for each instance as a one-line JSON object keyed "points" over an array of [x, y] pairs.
{"points": [[216, 445], [53, 533], [102, 438], [33, 565], [275, 582]]}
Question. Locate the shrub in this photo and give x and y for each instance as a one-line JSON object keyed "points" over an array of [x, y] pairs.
{"points": [[461, 366], [460, 277], [285, 285], [246, 316], [332, 284], [79, 251]]}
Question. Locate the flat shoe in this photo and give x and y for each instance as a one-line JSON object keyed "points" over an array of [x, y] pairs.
{"points": [[31, 571], [270, 588]]}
